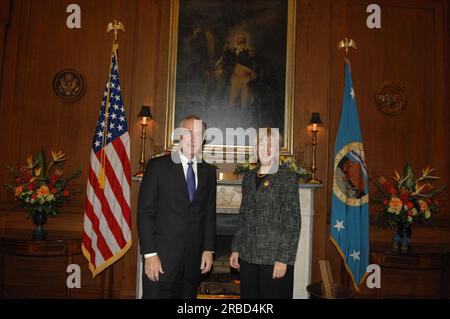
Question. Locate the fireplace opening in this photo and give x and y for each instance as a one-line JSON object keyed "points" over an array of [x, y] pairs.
{"points": [[222, 281]]}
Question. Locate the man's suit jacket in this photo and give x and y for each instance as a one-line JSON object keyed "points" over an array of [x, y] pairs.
{"points": [[269, 219], [168, 223]]}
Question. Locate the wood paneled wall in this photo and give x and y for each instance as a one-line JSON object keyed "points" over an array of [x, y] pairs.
{"points": [[411, 47], [4, 21]]}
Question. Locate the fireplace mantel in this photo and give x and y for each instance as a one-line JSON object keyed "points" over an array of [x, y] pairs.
{"points": [[228, 201]]}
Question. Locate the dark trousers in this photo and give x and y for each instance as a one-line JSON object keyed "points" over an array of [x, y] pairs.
{"points": [[257, 282], [179, 282]]}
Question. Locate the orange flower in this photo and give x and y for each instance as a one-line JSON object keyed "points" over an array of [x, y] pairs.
{"points": [[18, 191], [423, 205], [395, 204], [43, 191]]}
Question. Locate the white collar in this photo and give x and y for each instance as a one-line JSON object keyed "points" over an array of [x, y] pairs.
{"points": [[185, 160]]}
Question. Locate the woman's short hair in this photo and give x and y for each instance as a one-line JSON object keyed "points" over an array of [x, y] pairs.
{"points": [[265, 133]]}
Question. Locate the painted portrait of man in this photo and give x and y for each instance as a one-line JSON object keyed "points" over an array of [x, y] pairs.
{"points": [[231, 63]]}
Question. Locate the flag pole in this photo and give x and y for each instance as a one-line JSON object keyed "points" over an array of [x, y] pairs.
{"points": [[115, 26]]}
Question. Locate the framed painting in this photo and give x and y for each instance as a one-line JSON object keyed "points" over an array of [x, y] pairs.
{"points": [[232, 64]]}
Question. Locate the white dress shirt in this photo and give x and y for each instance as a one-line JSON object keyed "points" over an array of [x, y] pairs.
{"points": [[184, 162]]}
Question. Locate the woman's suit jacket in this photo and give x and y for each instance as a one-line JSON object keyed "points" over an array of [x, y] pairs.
{"points": [[270, 220]]}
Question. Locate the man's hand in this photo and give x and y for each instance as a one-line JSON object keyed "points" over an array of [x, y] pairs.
{"points": [[234, 260], [279, 270], [153, 268], [207, 261]]}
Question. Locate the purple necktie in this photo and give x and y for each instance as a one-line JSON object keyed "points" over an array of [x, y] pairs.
{"points": [[190, 180]]}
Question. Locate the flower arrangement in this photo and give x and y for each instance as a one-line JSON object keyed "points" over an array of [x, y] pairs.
{"points": [[409, 200], [41, 188], [285, 161]]}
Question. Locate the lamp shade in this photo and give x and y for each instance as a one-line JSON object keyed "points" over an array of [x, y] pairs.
{"points": [[145, 112], [315, 118]]}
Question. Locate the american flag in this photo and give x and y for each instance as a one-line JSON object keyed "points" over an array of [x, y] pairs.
{"points": [[107, 218]]}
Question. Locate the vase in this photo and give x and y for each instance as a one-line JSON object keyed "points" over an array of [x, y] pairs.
{"points": [[39, 219], [402, 238]]}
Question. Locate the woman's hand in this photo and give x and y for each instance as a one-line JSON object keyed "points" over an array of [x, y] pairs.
{"points": [[234, 260], [279, 270]]}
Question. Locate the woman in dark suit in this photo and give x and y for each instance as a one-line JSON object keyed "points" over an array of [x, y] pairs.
{"points": [[265, 245]]}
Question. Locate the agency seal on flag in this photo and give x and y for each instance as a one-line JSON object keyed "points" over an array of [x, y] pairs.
{"points": [[349, 184]]}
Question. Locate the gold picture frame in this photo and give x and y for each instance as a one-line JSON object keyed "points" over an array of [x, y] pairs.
{"points": [[177, 38]]}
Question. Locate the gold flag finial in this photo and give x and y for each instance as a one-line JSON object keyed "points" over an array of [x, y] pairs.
{"points": [[347, 43], [115, 26]]}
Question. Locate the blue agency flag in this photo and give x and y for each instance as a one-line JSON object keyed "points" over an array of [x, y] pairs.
{"points": [[350, 200]]}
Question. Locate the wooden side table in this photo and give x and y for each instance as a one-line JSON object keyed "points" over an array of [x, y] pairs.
{"points": [[19, 243], [421, 273]]}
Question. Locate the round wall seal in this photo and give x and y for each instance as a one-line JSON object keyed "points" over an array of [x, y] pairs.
{"points": [[69, 85], [390, 98]]}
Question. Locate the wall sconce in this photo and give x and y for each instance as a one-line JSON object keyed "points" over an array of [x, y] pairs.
{"points": [[145, 114], [315, 121]]}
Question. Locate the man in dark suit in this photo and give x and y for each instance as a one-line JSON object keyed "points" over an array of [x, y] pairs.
{"points": [[177, 217]]}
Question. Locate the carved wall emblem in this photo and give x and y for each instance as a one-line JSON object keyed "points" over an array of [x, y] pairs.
{"points": [[390, 98], [69, 85]]}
